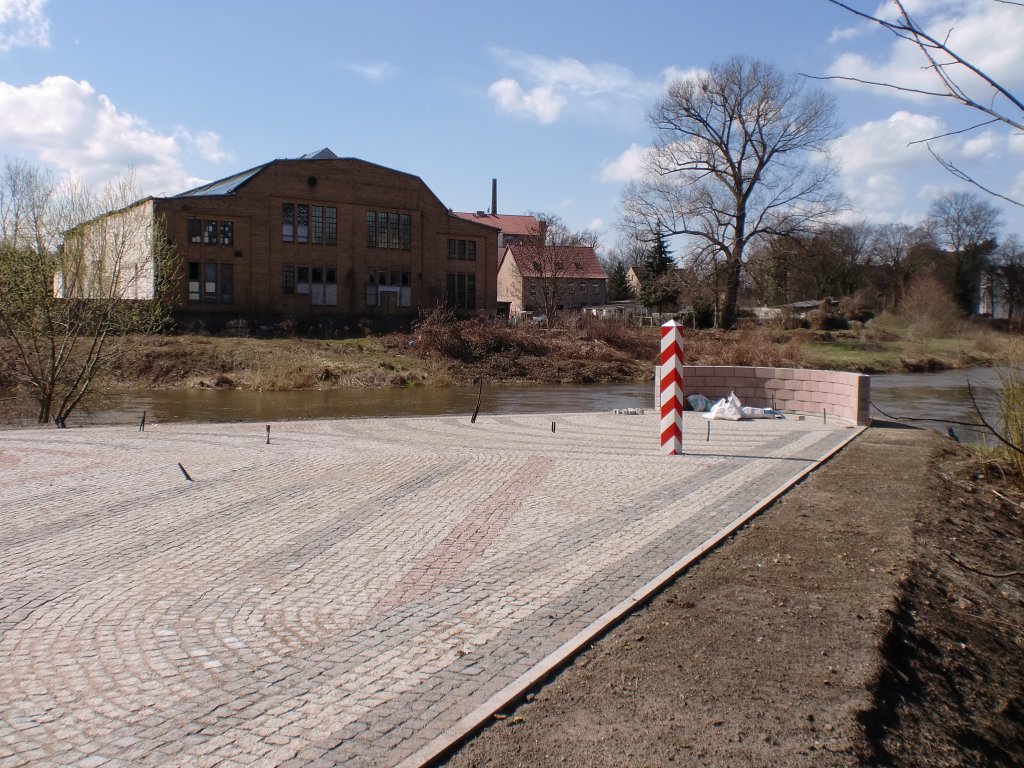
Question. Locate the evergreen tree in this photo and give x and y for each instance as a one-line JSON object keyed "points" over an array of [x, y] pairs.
{"points": [[657, 261], [618, 285]]}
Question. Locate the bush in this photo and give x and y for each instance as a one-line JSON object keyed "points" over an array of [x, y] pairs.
{"points": [[929, 309]]}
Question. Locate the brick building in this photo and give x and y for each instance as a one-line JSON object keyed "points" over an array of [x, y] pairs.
{"points": [[325, 242], [538, 278]]}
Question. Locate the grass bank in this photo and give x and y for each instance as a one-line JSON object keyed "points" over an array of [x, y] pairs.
{"points": [[441, 351]]}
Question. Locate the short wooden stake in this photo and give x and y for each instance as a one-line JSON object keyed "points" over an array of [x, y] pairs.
{"points": [[552, 427], [186, 474], [708, 440], [479, 397], [142, 422], [268, 434]]}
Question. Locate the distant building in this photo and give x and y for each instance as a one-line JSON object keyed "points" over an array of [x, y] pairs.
{"points": [[512, 229], [536, 278], [323, 241]]}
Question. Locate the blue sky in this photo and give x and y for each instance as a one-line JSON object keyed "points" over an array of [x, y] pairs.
{"points": [[550, 98]]}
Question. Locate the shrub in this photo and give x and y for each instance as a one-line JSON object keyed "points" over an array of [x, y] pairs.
{"points": [[929, 309]]}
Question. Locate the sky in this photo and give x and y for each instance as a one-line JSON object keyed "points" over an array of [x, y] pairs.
{"points": [[550, 98]]}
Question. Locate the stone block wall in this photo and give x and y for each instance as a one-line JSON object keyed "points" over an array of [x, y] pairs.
{"points": [[834, 394]]}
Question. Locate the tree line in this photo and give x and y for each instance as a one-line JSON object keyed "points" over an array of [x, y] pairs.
{"points": [[958, 248]]}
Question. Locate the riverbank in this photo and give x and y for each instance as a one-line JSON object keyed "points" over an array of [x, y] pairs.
{"points": [[850, 624], [440, 353]]}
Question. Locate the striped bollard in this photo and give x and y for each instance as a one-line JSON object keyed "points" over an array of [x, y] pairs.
{"points": [[672, 388]]}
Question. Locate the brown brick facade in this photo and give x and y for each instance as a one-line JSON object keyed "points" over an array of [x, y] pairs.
{"points": [[324, 241]]}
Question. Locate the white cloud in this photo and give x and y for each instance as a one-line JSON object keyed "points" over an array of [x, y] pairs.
{"points": [[373, 70], [880, 170], [627, 167], [983, 145], [989, 35], [885, 144], [1015, 141], [553, 84], [23, 24], [207, 143], [839, 34], [540, 103], [68, 126]]}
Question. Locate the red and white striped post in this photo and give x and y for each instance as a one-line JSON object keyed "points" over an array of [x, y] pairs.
{"points": [[672, 388]]}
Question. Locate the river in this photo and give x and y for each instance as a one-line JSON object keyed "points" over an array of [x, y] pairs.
{"points": [[940, 397]]}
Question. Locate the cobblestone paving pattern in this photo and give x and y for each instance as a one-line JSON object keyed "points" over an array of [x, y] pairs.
{"points": [[343, 595]]}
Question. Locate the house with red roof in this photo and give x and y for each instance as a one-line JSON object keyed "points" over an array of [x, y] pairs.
{"points": [[535, 277]]}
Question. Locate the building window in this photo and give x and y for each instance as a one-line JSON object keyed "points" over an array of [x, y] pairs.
{"points": [[302, 285], [595, 288], [371, 231], [583, 287], [331, 286], [287, 222], [227, 284], [209, 283], [331, 232], [371, 289], [302, 223], [209, 232], [388, 230], [460, 290], [395, 236], [406, 231], [317, 219], [227, 233], [195, 231], [462, 249], [288, 279], [193, 281]]}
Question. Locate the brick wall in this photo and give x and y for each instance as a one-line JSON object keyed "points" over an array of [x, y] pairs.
{"points": [[836, 394], [352, 187]]}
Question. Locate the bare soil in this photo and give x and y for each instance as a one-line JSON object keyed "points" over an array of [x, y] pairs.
{"points": [[850, 624]]}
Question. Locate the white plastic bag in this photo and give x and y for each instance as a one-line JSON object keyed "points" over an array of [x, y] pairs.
{"points": [[728, 408], [732, 409]]}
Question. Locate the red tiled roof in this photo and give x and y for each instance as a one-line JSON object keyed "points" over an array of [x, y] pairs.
{"points": [[507, 223], [577, 261]]}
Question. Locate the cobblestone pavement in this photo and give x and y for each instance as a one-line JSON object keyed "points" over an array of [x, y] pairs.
{"points": [[345, 595]]}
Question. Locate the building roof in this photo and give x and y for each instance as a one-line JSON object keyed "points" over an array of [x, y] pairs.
{"points": [[230, 185], [223, 186], [509, 224], [577, 261]]}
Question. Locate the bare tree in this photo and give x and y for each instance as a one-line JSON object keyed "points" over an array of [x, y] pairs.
{"points": [[1009, 275], [552, 261], [967, 225], [957, 79], [78, 271], [962, 219], [890, 247], [733, 162]]}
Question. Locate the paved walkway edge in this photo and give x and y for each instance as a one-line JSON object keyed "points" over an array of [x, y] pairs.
{"points": [[530, 679]]}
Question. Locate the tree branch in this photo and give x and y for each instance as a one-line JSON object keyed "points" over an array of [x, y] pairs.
{"points": [[988, 426]]}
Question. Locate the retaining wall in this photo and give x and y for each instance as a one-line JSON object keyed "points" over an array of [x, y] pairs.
{"points": [[834, 394]]}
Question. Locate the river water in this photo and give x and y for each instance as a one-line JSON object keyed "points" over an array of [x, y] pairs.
{"points": [[942, 398]]}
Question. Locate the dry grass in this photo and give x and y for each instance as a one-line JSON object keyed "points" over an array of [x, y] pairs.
{"points": [[754, 346], [1011, 402]]}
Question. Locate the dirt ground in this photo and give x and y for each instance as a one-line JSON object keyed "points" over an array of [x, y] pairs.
{"points": [[850, 624]]}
